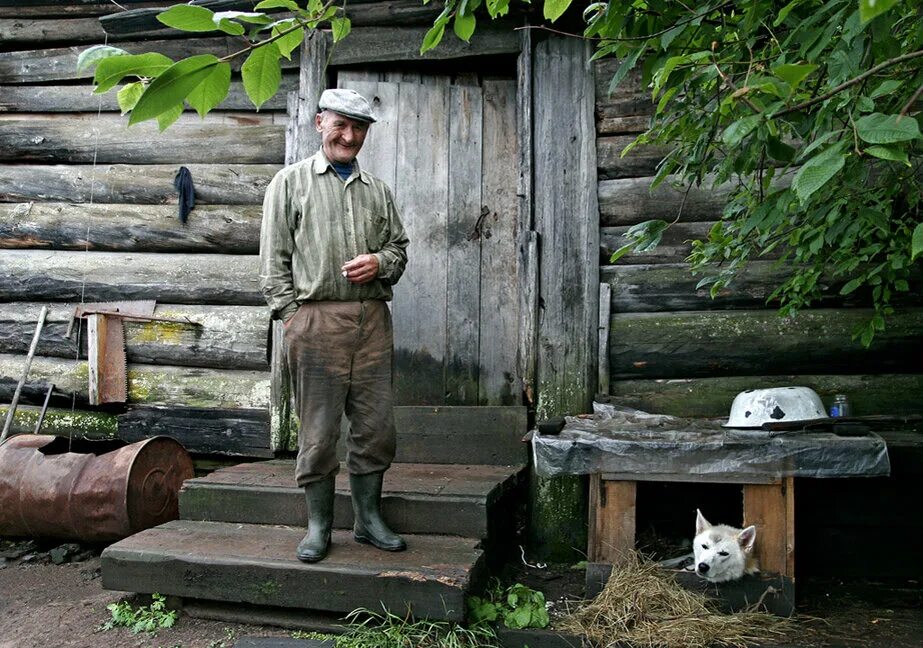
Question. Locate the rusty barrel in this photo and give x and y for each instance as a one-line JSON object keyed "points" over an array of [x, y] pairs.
{"points": [[88, 490]]}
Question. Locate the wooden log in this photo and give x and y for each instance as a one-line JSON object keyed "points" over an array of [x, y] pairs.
{"points": [[738, 343], [566, 219], [674, 247], [641, 161], [229, 337], [20, 32], [626, 99], [109, 140], [364, 45], [237, 184], [633, 124], [235, 432], [10, 9], [107, 276], [67, 422], [80, 98], [628, 201], [147, 384], [224, 229], [895, 394]]}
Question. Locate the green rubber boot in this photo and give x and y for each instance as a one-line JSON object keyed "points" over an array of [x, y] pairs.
{"points": [[369, 528], [316, 542]]}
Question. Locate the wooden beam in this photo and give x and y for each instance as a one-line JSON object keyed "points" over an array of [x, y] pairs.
{"points": [[147, 384], [220, 183], [674, 247], [613, 515], [641, 161], [771, 507], [312, 82], [737, 343], [109, 140], [897, 394], [227, 229], [32, 275], [566, 219]]}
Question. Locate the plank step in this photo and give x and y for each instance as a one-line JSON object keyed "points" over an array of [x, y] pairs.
{"points": [[443, 499], [256, 564]]}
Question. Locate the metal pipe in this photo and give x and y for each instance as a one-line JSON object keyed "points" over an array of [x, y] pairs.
{"points": [[25, 374]]}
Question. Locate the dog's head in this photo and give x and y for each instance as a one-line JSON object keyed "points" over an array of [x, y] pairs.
{"points": [[721, 552]]}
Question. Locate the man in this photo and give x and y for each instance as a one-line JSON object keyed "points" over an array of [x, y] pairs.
{"points": [[331, 247]]}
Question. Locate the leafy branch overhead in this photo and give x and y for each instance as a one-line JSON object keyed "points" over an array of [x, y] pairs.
{"points": [[156, 87]]}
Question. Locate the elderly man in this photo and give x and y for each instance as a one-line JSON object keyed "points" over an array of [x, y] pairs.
{"points": [[332, 246]]}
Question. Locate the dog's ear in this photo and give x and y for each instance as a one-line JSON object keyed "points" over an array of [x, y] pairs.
{"points": [[746, 538], [701, 524]]}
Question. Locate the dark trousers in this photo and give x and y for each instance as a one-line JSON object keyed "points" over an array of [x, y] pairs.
{"points": [[340, 359]]}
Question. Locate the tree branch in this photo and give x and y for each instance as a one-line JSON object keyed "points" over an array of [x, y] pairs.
{"points": [[847, 84]]}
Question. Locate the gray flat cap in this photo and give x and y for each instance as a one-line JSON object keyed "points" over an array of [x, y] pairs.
{"points": [[346, 102]]}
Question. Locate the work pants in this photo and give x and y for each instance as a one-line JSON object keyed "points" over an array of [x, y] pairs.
{"points": [[340, 358]]}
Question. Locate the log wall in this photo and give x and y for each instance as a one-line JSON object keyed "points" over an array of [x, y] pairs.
{"points": [[673, 349]]}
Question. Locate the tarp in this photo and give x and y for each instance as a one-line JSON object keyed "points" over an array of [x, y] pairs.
{"points": [[624, 442]]}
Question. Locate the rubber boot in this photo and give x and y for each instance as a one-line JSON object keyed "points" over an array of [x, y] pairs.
{"points": [[316, 542], [369, 528]]}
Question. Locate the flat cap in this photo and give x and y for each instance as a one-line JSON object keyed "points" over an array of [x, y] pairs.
{"points": [[346, 102]]}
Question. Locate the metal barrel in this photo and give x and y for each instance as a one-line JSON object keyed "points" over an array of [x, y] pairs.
{"points": [[88, 490]]}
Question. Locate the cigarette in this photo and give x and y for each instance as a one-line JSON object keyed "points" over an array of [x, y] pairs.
{"points": [[345, 273]]}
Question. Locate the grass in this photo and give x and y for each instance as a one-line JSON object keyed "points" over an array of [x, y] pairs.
{"points": [[149, 618]]}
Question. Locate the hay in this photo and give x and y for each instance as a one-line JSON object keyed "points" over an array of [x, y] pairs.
{"points": [[643, 606]]}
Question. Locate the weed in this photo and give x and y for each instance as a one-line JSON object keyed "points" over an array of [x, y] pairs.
{"points": [[143, 619], [517, 606]]}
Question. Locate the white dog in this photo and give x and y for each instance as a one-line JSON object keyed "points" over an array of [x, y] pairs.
{"points": [[723, 553]]}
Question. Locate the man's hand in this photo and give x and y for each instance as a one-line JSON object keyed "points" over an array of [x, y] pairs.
{"points": [[362, 269]]}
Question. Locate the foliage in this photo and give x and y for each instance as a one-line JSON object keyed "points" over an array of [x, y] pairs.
{"points": [[804, 110], [367, 629], [517, 606], [154, 617], [156, 87]]}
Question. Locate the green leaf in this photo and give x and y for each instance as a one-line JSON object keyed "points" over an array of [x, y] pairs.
{"points": [[166, 119], [341, 28], [851, 286], [784, 11], [793, 74], [252, 17], [886, 88], [228, 26], [889, 153], [262, 73], [735, 133], [887, 129], [869, 9], [170, 88], [464, 26], [916, 242], [518, 618], [128, 96], [278, 4], [110, 71], [779, 150], [93, 55], [188, 18], [817, 171], [433, 36], [212, 91], [291, 41], [555, 8], [497, 8]]}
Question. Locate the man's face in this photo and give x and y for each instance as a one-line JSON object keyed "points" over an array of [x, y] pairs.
{"points": [[341, 136]]}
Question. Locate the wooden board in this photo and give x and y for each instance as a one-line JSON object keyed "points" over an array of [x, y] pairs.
{"points": [[147, 384], [869, 394], [566, 219], [225, 229], [612, 520], [628, 201], [737, 343], [771, 507], [110, 140], [256, 564], [32, 275], [414, 499], [220, 183]]}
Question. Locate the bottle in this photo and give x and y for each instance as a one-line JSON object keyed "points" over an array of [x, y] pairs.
{"points": [[840, 407]]}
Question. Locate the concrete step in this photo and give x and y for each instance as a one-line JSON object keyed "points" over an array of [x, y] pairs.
{"points": [[444, 499], [256, 564]]}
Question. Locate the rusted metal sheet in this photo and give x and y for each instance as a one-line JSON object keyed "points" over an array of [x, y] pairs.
{"points": [[84, 490]]}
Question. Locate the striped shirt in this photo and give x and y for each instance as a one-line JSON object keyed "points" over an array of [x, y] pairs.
{"points": [[314, 222]]}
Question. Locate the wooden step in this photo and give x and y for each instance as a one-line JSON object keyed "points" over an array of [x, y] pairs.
{"points": [[256, 564], [444, 499]]}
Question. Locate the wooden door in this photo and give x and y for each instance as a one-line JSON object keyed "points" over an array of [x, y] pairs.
{"points": [[450, 154]]}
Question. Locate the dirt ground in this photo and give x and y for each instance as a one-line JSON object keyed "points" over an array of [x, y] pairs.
{"points": [[51, 597]]}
